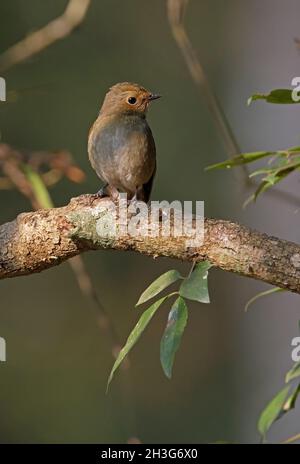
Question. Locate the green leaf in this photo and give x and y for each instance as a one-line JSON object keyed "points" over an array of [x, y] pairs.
{"points": [[261, 171], [278, 407], [262, 294], [238, 160], [172, 335], [293, 373], [291, 401], [135, 335], [285, 166], [244, 158], [272, 411], [263, 186], [195, 286], [277, 96], [159, 285], [277, 175]]}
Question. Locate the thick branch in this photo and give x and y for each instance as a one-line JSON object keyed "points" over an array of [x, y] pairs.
{"points": [[38, 240]]}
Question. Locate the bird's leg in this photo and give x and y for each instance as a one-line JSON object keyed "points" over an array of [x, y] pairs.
{"points": [[141, 195], [102, 192], [109, 191], [134, 198], [137, 197]]}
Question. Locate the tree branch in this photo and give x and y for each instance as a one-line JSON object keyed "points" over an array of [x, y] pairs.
{"points": [[38, 240]]}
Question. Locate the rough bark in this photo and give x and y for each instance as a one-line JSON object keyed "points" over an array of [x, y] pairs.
{"points": [[38, 240]]}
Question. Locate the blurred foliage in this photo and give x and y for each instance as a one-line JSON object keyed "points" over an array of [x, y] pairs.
{"points": [[280, 164], [283, 402]]}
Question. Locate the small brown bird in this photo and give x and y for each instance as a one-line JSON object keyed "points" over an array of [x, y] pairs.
{"points": [[121, 146]]}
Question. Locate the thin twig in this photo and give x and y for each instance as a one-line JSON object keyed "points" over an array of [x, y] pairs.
{"points": [[88, 289], [292, 439], [176, 10], [47, 35]]}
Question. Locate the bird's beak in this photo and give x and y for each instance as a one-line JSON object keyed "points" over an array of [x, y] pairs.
{"points": [[153, 96]]}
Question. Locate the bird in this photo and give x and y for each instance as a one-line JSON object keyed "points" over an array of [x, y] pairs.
{"points": [[121, 146]]}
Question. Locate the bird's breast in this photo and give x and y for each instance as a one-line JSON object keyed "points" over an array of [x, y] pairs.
{"points": [[122, 151]]}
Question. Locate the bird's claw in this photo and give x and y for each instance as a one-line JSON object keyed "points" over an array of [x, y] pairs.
{"points": [[102, 192]]}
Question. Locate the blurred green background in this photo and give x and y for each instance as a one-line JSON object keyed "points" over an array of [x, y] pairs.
{"points": [[52, 387]]}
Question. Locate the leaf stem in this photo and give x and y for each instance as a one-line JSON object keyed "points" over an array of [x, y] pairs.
{"points": [[291, 439], [191, 270]]}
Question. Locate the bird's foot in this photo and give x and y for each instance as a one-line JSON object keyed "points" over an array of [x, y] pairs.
{"points": [[138, 197], [132, 200], [134, 203], [102, 192]]}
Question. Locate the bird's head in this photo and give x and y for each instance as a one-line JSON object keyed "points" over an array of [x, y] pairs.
{"points": [[126, 97]]}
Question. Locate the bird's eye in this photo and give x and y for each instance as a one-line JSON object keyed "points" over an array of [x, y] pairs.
{"points": [[131, 100]]}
